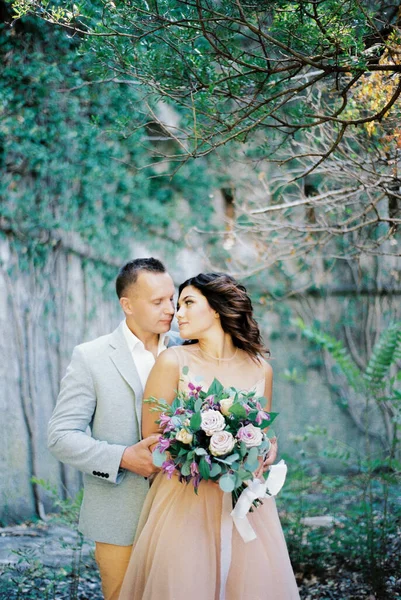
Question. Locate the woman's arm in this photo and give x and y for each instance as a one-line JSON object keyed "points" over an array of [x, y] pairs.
{"points": [[272, 454], [162, 383], [268, 385]]}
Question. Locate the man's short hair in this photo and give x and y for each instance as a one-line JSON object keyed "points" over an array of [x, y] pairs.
{"points": [[128, 274]]}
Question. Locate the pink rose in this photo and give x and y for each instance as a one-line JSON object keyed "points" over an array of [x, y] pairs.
{"points": [[221, 442], [250, 435], [212, 421]]}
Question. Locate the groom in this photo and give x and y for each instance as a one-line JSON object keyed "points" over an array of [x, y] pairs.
{"points": [[96, 424]]}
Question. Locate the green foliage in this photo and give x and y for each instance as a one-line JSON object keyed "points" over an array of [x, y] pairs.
{"points": [[386, 352], [337, 350], [67, 166], [232, 67], [344, 542], [30, 577], [372, 521], [67, 509]]}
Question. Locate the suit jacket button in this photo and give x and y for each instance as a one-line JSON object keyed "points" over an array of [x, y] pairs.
{"points": [[107, 475]]}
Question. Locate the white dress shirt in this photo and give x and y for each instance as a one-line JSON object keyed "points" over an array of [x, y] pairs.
{"points": [[143, 359]]}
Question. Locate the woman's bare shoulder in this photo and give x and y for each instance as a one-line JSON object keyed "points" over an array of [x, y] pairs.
{"points": [[168, 357], [266, 366]]}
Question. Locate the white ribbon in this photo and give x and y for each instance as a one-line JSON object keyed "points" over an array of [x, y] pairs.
{"points": [[255, 489]]}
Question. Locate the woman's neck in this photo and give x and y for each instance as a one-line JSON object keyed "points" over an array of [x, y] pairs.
{"points": [[219, 347]]}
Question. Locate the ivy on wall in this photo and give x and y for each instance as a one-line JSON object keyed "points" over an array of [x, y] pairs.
{"points": [[65, 166]]}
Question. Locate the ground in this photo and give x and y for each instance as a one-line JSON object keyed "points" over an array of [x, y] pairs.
{"points": [[49, 561]]}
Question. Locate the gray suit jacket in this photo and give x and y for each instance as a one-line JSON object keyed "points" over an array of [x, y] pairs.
{"points": [[102, 390]]}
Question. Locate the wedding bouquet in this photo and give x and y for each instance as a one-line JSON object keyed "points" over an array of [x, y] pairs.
{"points": [[215, 435]]}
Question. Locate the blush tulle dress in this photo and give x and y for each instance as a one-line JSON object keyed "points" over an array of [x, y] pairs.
{"points": [[178, 547]]}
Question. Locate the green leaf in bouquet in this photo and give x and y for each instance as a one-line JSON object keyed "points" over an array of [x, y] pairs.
{"points": [[177, 421], [204, 468], [252, 463], [176, 403], [262, 400], [231, 391], [264, 445], [273, 415], [244, 474], [227, 482], [185, 370], [238, 411], [215, 388], [243, 449], [186, 468], [232, 458], [200, 451], [195, 421], [198, 404], [238, 480], [158, 457], [215, 470]]}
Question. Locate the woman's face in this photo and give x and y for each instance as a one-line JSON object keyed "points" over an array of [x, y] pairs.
{"points": [[195, 316]]}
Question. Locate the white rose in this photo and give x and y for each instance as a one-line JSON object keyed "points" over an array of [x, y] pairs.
{"points": [[250, 435], [184, 436], [221, 442], [212, 421], [226, 404]]}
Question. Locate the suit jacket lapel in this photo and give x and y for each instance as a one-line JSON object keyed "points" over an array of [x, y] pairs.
{"points": [[122, 359]]}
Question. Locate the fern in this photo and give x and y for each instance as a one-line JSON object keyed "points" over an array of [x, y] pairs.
{"points": [[385, 353], [337, 350]]}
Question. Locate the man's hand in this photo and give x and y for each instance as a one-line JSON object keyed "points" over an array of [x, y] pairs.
{"points": [[138, 458]]}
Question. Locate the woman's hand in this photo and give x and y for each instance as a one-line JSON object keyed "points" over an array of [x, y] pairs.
{"points": [[268, 460]]}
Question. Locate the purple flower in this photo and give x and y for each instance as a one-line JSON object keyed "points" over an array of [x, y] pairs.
{"points": [[180, 411], [194, 469], [261, 416], [211, 401], [168, 467], [196, 481], [163, 444], [208, 459], [166, 423], [247, 408], [194, 389]]}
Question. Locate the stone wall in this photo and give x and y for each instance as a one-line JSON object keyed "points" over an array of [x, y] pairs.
{"points": [[41, 320]]}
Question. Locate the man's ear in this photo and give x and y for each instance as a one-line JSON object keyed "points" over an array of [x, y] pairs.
{"points": [[125, 305]]}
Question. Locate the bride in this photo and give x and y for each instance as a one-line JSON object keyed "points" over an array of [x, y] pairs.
{"points": [[178, 546]]}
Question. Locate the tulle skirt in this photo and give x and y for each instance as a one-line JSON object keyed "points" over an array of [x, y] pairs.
{"points": [[176, 553]]}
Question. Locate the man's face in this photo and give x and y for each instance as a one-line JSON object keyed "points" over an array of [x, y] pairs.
{"points": [[148, 304]]}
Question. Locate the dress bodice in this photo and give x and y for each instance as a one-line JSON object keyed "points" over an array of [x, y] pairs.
{"points": [[239, 371]]}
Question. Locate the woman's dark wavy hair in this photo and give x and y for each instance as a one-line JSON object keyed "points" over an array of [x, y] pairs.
{"points": [[230, 300]]}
